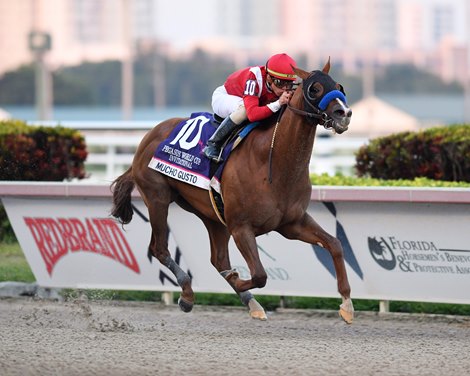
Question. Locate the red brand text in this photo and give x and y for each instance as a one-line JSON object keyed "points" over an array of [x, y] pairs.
{"points": [[56, 237]]}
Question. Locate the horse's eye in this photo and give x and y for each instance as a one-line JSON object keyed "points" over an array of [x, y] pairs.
{"points": [[314, 91], [317, 89]]}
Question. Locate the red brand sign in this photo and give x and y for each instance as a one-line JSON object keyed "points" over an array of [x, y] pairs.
{"points": [[56, 237]]}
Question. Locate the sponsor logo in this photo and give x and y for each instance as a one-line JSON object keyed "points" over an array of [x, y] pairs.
{"points": [[417, 256], [58, 237], [382, 254]]}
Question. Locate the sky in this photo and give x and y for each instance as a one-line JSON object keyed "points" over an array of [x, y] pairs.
{"points": [[192, 20]]}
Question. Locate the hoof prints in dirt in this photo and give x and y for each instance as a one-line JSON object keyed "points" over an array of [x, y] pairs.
{"points": [[84, 318], [111, 325], [102, 323], [38, 317], [96, 338]]}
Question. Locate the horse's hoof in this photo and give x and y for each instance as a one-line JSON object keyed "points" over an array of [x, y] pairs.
{"points": [[346, 316], [346, 310], [185, 305], [258, 315], [256, 310]]}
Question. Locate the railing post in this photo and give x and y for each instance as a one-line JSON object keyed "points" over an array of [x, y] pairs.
{"points": [[167, 297], [384, 306], [111, 162]]}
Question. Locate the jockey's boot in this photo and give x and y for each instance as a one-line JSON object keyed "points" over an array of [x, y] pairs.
{"points": [[212, 149]]}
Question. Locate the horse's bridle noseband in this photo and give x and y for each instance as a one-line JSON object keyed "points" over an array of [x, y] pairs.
{"points": [[313, 112], [324, 119]]}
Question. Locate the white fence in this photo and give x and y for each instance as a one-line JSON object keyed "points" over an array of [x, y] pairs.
{"points": [[112, 145], [399, 243], [335, 153], [110, 154]]}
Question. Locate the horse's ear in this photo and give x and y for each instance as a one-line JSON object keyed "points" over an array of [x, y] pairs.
{"points": [[300, 73], [326, 68]]}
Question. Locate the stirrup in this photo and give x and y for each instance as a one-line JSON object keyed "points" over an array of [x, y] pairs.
{"points": [[213, 153]]}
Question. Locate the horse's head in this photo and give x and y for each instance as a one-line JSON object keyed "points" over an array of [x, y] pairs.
{"points": [[324, 99]]}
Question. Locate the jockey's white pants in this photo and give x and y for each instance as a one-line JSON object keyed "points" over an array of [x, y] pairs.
{"points": [[224, 104]]}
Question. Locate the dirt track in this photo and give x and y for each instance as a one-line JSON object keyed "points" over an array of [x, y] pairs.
{"points": [[90, 338]]}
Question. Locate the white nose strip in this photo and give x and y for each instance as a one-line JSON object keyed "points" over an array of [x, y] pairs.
{"points": [[343, 106]]}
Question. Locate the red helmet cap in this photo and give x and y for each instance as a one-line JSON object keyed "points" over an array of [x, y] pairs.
{"points": [[280, 66]]}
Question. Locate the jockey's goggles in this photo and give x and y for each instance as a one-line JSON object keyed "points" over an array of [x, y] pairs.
{"points": [[283, 84]]}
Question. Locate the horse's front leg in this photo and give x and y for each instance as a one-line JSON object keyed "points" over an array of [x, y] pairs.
{"points": [[309, 231], [246, 243], [219, 238]]}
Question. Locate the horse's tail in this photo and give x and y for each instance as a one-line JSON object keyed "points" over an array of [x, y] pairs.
{"points": [[122, 188]]}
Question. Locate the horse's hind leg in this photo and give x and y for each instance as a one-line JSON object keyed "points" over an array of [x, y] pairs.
{"points": [[309, 231], [219, 238], [158, 213]]}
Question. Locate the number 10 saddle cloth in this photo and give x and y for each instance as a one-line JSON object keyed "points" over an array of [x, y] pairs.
{"points": [[180, 156]]}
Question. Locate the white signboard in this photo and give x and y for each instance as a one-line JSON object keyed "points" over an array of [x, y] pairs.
{"points": [[393, 250]]}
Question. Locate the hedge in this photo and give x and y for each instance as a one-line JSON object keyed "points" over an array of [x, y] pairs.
{"points": [[40, 153], [352, 181], [440, 153]]}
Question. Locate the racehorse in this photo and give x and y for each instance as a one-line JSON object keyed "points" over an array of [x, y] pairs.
{"points": [[265, 187]]}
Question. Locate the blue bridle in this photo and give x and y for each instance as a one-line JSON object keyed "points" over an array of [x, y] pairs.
{"points": [[334, 94]]}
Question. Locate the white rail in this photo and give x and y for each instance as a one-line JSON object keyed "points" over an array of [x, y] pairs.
{"points": [[111, 147], [110, 154], [335, 153]]}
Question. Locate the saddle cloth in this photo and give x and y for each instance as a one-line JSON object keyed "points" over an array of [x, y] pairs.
{"points": [[180, 156]]}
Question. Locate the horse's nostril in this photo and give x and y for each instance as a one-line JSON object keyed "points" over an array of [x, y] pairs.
{"points": [[343, 112], [339, 113]]}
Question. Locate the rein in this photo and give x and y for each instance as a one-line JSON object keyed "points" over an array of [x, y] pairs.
{"points": [[270, 170]]}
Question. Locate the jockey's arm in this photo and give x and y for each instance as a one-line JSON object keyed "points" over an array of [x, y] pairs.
{"points": [[256, 112]]}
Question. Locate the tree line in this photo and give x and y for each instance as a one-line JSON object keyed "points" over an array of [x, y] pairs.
{"points": [[186, 81]]}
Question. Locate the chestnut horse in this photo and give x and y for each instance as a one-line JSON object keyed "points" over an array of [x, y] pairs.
{"points": [[265, 187]]}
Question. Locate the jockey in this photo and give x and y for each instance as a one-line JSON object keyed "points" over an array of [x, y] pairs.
{"points": [[252, 93]]}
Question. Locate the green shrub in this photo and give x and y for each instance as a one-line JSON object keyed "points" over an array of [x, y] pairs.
{"points": [[40, 153], [341, 180], [441, 153], [6, 231]]}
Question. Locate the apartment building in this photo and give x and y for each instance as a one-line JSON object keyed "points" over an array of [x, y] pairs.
{"points": [[432, 34]]}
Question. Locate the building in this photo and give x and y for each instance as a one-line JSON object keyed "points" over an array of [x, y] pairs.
{"points": [[374, 117], [429, 33]]}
